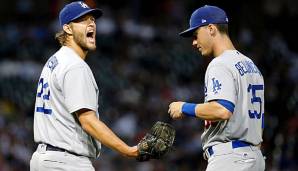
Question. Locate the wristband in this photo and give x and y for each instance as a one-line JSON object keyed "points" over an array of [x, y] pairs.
{"points": [[189, 109]]}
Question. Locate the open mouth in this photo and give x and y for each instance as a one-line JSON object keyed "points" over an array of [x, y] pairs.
{"points": [[91, 36]]}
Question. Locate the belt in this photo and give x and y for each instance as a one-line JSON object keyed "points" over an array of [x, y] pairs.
{"points": [[233, 144], [53, 148]]}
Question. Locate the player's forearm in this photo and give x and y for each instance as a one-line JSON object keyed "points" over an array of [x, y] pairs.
{"points": [[106, 136], [212, 111], [97, 129]]}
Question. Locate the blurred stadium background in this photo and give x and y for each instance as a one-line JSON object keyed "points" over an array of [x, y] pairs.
{"points": [[141, 65]]}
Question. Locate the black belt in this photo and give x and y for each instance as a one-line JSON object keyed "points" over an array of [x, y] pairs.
{"points": [[52, 148]]}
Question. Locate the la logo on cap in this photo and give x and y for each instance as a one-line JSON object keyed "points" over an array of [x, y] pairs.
{"points": [[83, 5], [204, 21]]}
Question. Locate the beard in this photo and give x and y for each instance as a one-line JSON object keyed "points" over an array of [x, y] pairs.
{"points": [[80, 39]]}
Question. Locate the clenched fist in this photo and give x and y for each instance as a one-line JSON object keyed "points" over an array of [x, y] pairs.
{"points": [[175, 110]]}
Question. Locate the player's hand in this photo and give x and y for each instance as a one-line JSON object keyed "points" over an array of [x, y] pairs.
{"points": [[175, 110]]}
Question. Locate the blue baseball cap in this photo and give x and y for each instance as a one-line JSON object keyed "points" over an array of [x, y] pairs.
{"points": [[76, 10], [203, 16]]}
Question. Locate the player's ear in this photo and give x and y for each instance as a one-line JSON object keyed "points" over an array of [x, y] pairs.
{"points": [[67, 29], [212, 29]]}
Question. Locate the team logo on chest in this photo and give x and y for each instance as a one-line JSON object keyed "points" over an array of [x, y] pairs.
{"points": [[216, 86]]}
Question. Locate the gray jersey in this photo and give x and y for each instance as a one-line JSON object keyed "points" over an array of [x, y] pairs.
{"points": [[66, 85], [234, 77]]}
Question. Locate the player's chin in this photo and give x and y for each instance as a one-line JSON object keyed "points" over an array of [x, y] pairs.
{"points": [[200, 50], [205, 53], [92, 47]]}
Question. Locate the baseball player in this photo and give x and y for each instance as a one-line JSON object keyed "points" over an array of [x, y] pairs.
{"points": [[234, 97], [67, 127]]}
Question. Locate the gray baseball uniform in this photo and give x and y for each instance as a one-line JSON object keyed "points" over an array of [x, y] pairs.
{"points": [[235, 82], [235, 78], [66, 85]]}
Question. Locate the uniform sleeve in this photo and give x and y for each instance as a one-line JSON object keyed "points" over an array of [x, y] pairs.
{"points": [[79, 90], [220, 84]]}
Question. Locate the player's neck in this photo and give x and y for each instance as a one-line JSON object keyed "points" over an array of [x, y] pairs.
{"points": [[221, 44], [82, 53]]}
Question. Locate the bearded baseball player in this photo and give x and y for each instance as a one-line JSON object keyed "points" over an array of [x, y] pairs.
{"points": [[66, 120], [234, 97]]}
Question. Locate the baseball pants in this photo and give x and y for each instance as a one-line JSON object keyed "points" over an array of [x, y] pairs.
{"points": [[43, 160], [226, 158]]}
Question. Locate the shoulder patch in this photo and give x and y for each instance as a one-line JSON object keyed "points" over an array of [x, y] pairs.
{"points": [[52, 63]]}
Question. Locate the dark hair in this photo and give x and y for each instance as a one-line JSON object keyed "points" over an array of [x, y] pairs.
{"points": [[61, 37], [223, 28]]}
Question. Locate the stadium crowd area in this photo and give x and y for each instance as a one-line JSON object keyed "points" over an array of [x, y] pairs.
{"points": [[141, 65]]}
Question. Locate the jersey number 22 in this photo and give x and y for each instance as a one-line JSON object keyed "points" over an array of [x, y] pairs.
{"points": [[43, 96]]}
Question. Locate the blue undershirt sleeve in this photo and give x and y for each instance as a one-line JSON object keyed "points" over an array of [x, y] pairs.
{"points": [[227, 104]]}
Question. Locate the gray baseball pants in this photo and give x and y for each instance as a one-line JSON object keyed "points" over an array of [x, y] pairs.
{"points": [[43, 160], [226, 158]]}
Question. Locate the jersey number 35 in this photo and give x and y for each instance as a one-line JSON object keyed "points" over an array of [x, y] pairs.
{"points": [[256, 100]]}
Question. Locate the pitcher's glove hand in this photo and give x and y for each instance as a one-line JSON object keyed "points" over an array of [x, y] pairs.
{"points": [[157, 142]]}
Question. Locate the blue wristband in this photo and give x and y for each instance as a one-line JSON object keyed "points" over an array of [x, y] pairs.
{"points": [[189, 109]]}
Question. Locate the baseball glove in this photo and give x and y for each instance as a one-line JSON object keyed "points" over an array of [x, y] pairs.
{"points": [[157, 142]]}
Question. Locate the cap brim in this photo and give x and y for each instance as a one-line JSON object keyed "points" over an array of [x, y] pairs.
{"points": [[95, 12], [188, 32]]}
